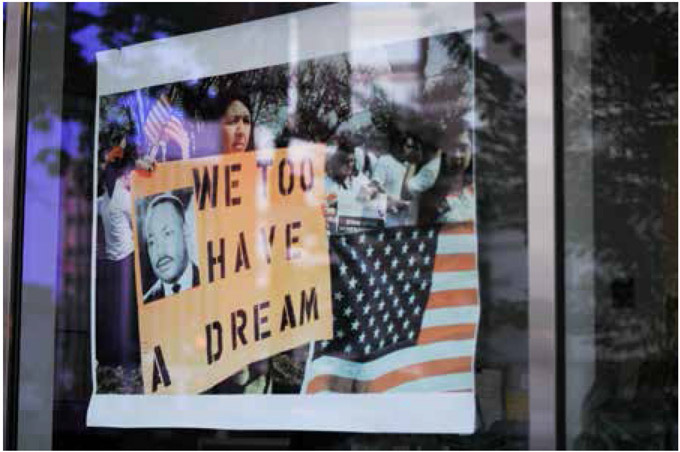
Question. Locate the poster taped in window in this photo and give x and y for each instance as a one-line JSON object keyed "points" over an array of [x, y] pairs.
{"points": [[286, 237]]}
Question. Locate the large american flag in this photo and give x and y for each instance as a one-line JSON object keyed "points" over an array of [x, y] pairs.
{"points": [[405, 310]]}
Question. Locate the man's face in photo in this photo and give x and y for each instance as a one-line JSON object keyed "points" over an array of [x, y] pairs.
{"points": [[412, 150], [165, 241]]}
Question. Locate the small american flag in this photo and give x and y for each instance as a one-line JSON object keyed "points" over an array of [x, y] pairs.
{"points": [[164, 122], [405, 309]]}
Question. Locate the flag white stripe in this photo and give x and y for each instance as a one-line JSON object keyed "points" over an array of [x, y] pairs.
{"points": [[454, 280], [158, 119], [175, 125], [450, 316], [153, 125], [175, 132], [160, 114], [152, 129], [154, 122], [394, 361], [456, 244]]}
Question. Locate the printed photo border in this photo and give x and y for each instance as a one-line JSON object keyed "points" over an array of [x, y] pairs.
{"points": [[314, 33]]}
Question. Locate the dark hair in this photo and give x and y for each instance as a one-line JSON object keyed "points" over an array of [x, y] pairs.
{"points": [[345, 143], [170, 199], [162, 199], [246, 102], [213, 108], [334, 163], [117, 168], [425, 133]]}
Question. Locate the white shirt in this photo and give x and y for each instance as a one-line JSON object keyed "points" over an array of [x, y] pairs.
{"points": [[360, 156], [425, 178], [186, 281], [352, 201], [390, 173], [461, 207], [116, 217]]}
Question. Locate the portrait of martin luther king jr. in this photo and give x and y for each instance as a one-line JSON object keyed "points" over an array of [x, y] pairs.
{"points": [[166, 233]]}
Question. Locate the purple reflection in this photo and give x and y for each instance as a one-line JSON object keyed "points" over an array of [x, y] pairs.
{"points": [[41, 6], [42, 197], [93, 9], [159, 35], [70, 135], [88, 39]]}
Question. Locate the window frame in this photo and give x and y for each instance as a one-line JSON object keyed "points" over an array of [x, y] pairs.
{"points": [[542, 204]]}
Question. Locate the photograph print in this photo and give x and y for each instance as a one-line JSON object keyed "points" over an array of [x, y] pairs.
{"points": [[397, 122]]}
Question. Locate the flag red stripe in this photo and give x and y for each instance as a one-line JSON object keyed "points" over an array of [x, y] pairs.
{"points": [[466, 227], [451, 298], [153, 130], [158, 116], [175, 123], [455, 262], [446, 333], [391, 379]]}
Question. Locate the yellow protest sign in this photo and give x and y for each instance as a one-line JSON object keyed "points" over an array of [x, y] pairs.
{"points": [[231, 264]]}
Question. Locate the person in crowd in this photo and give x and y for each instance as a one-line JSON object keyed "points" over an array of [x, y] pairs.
{"points": [[340, 168], [452, 199], [236, 126], [365, 161], [407, 173], [352, 193], [229, 129], [232, 113], [116, 310], [165, 235], [227, 125]]}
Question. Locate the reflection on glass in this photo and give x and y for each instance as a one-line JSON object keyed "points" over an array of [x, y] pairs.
{"points": [[621, 225], [351, 96]]}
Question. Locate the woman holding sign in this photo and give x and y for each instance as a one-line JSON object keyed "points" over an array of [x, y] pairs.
{"points": [[236, 126], [228, 128], [236, 135]]}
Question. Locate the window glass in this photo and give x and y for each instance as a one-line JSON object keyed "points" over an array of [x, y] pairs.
{"points": [[58, 223], [620, 224]]}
